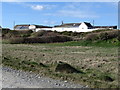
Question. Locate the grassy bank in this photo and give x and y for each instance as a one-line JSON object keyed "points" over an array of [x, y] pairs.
{"points": [[95, 54], [106, 44], [98, 61]]}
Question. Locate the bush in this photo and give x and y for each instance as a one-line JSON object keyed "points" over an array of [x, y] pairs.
{"points": [[103, 36], [4, 31], [107, 35], [38, 34], [17, 33], [44, 33], [44, 39], [16, 40], [92, 36]]}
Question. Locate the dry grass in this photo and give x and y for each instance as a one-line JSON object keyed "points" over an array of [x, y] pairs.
{"points": [[94, 61]]}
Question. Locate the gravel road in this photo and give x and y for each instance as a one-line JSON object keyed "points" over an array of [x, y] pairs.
{"points": [[19, 79]]}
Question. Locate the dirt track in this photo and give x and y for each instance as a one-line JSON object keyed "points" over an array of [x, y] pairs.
{"points": [[20, 79]]}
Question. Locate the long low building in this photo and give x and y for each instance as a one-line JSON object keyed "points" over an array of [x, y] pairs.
{"points": [[32, 27], [75, 27], [80, 27]]}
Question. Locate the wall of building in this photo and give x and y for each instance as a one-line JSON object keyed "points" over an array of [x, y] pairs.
{"points": [[83, 26], [32, 27], [38, 29], [72, 29]]}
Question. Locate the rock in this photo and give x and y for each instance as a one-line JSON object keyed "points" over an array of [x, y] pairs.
{"points": [[65, 81], [39, 77], [63, 85], [57, 84]]}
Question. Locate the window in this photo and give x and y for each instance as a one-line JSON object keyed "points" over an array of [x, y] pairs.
{"points": [[18, 27], [24, 27], [21, 28]]}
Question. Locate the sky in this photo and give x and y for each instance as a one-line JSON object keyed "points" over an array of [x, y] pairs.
{"points": [[53, 13]]}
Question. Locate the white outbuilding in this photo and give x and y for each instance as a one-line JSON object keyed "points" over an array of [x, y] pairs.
{"points": [[32, 27]]}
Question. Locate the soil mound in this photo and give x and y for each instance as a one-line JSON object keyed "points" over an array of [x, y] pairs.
{"points": [[66, 68]]}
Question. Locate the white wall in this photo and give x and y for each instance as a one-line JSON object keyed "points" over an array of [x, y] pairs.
{"points": [[72, 29], [83, 26], [32, 27], [38, 29], [60, 29]]}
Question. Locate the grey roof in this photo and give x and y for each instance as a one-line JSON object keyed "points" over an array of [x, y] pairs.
{"points": [[26, 26], [41, 26], [22, 26], [68, 25], [88, 24], [105, 26]]}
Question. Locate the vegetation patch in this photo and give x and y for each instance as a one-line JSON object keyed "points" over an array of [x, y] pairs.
{"points": [[101, 36], [28, 36], [48, 39], [87, 65], [90, 60], [44, 33]]}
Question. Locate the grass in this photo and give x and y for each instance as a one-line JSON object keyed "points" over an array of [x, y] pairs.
{"points": [[105, 44], [98, 61]]}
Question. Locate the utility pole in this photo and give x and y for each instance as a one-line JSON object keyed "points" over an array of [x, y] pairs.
{"points": [[13, 25], [93, 22], [62, 22]]}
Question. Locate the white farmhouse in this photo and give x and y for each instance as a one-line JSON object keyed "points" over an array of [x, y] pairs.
{"points": [[80, 27], [75, 27]]}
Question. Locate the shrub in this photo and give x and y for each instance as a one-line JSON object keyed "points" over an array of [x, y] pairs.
{"points": [[92, 36], [44, 39], [103, 36], [16, 40], [38, 34], [4, 31], [17, 33], [106, 35], [44, 33]]}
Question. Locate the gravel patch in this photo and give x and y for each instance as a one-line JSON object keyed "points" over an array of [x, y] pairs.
{"points": [[19, 79]]}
